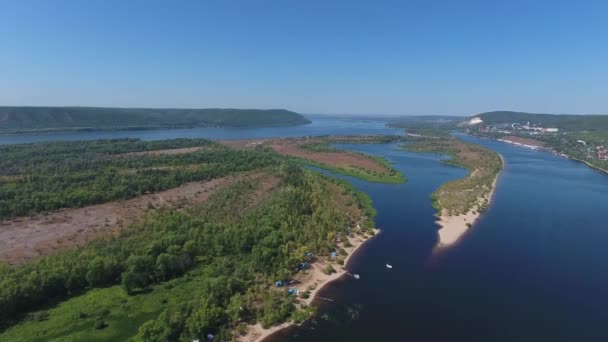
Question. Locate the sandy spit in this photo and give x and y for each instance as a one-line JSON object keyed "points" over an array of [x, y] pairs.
{"points": [[453, 227]]}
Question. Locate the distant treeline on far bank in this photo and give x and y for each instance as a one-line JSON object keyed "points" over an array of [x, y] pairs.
{"points": [[44, 119]]}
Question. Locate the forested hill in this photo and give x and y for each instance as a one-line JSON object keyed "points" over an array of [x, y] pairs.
{"points": [[563, 121], [31, 119]]}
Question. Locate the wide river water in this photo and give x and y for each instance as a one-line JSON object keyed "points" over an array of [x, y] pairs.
{"points": [[533, 268]]}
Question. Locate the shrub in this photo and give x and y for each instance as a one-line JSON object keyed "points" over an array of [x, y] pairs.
{"points": [[100, 324], [38, 316], [329, 269]]}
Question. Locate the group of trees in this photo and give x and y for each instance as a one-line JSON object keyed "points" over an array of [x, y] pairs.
{"points": [[235, 256], [44, 177], [35, 119]]}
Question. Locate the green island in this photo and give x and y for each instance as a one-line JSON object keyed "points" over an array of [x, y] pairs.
{"points": [[389, 175], [47, 119], [460, 196], [216, 227], [317, 152]]}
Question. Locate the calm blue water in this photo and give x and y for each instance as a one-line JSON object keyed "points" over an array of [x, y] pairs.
{"points": [[534, 268], [321, 125]]}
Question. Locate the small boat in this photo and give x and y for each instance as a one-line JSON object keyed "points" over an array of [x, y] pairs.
{"points": [[356, 276], [389, 266]]}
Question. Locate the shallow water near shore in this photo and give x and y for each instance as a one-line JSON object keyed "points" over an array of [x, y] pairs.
{"points": [[534, 267]]}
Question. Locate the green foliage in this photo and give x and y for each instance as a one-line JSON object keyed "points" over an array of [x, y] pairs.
{"points": [[38, 119], [100, 324], [329, 269], [562, 121], [471, 192], [181, 274], [50, 176]]}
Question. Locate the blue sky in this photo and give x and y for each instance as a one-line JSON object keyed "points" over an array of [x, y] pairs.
{"points": [[361, 57]]}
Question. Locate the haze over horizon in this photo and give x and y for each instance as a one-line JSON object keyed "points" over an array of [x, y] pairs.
{"points": [[388, 58]]}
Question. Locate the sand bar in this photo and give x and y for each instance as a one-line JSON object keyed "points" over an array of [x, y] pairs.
{"points": [[453, 227]]}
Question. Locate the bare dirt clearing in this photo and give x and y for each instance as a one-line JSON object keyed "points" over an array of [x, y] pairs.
{"points": [[167, 152], [293, 148], [23, 239]]}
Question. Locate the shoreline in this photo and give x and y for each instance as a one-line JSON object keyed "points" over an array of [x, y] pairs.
{"points": [[588, 164], [552, 150], [313, 277], [453, 228]]}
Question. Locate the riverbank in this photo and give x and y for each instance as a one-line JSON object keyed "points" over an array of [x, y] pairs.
{"points": [[540, 145], [588, 164], [313, 280], [453, 227]]}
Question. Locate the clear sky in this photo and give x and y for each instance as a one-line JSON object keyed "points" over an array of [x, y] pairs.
{"points": [[368, 57]]}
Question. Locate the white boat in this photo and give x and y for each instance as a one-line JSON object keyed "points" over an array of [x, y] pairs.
{"points": [[389, 266], [356, 276]]}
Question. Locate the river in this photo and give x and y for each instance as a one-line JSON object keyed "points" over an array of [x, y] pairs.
{"points": [[533, 268], [321, 125]]}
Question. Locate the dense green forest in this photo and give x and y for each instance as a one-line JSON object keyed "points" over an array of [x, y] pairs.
{"points": [[180, 274], [42, 177], [561, 121], [35, 119]]}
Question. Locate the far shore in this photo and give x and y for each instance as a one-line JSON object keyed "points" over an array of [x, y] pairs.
{"points": [[453, 227], [588, 164], [535, 144], [314, 279]]}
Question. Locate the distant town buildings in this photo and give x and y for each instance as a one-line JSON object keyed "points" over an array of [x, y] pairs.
{"points": [[591, 150]]}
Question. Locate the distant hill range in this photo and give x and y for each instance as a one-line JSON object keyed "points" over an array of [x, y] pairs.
{"points": [[41, 119], [567, 122]]}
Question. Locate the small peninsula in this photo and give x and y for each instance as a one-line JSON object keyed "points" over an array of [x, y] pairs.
{"points": [[460, 202]]}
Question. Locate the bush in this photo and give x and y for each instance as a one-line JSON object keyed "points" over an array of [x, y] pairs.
{"points": [[38, 316], [299, 316], [340, 261], [100, 324], [329, 269]]}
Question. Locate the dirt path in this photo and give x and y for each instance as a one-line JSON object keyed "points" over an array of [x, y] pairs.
{"points": [[24, 239], [168, 152]]}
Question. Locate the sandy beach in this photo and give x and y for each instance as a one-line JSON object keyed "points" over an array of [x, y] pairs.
{"points": [[453, 227], [313, 279]]}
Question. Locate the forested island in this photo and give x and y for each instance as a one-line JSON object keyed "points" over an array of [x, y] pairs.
{"points": [[46, 119], [168, 240], [460, 202]]}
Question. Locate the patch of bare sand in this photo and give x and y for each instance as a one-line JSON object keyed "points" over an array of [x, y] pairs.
{"points": [[23, 239]]}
